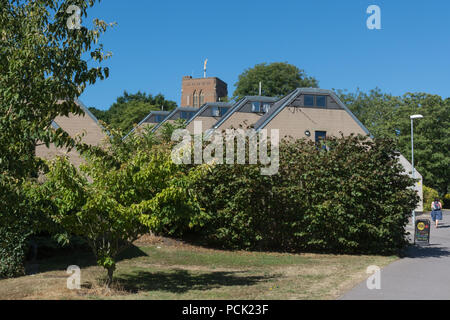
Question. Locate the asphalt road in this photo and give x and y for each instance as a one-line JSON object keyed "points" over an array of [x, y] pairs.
{"points": [[424, 274]]}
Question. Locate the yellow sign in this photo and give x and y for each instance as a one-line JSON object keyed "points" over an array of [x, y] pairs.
{"points": [[421, 226]]}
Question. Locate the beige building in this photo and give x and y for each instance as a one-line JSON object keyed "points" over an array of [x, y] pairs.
{"points": [[315, 114], [311, 113], [196, 92], [208, 115], [74, 125], [185, 113], [245, 113], [151, 120]]}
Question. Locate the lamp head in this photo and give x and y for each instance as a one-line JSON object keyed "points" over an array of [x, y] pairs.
{"points": [[416, 116]]}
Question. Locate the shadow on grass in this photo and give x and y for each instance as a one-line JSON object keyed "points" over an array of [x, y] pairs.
{"points": [[81, 258], [181, 281]]}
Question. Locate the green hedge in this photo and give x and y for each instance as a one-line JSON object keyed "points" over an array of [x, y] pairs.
{"points": [[429, 195], [12, 252], [350, 199], [446, 201]]}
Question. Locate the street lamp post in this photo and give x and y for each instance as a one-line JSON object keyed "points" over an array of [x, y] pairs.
{"points": [[416, 116]]}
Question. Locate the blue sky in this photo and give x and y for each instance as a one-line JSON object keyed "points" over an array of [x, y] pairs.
{"points": [[155, 43]]}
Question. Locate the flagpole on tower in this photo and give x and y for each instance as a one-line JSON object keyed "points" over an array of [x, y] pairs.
{"points": [[204, 68]]}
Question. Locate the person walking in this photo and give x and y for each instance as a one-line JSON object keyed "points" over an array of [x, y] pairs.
{"points": [[436, 213]]}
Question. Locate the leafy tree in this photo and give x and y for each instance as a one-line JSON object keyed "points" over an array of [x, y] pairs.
{"points": [[389, 116], [376, 110], [121, 192], [278, 79], [43, 68], [166, 130], [130, 109]]}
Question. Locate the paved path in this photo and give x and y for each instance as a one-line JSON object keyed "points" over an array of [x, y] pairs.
{"points": [[424, 274]]}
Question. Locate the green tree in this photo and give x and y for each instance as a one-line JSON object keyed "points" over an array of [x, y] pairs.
{"points": [[278, 79], [389, 116], [130, 109], [43, 69], [128, 189]]}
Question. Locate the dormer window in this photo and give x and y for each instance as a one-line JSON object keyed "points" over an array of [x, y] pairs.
{"points": [[309, 101], [218, 111], [186, 115], [321, 101], [266, 107], [256, 106], [315, 101], [159, 118]]}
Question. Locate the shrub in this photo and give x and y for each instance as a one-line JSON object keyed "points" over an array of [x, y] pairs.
{"points": [[353, 198], [446, 201], [429, 195], [124, 190], [12, 252]]}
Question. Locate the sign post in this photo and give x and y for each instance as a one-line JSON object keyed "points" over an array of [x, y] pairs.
{"points": [[422, 232]]}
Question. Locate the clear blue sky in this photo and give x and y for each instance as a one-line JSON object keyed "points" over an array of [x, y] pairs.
{"points": [[155, 43]]}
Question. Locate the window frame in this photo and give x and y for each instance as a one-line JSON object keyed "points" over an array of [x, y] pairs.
{"points": [[258, 103]]}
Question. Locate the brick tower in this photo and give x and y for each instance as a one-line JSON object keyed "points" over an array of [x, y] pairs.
{"points": [[196, 92]]}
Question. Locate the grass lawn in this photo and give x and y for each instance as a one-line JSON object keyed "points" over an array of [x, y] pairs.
{"points": [[158, 268]]}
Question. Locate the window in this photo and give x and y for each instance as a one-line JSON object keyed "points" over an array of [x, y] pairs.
{"points": [[195, 99], [159, 118], [321, 101], [186, 115], [256, 106], [202, 98], [222, 111], [309, 101], [218, 111], [321, 137], [315, 101], [266, 107]]}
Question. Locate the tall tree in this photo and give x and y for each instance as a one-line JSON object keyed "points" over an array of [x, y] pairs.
{"points": [[122, 192], [44, 56], [389, 116], [278, 79]]}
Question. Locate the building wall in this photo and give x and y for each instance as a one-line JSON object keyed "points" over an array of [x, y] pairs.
{"points": [[207, 123], [240, 120], [74, 125], [418, 186], [294, 121], [212, 88]]}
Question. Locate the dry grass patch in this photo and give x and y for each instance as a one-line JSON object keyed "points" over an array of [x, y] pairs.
{"points": [[159, 268]]}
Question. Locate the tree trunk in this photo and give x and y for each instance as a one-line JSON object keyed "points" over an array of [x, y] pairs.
{"points": [[110, 277]]}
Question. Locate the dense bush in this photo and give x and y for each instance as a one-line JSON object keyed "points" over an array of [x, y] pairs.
{"points": [[350, 199], [15, 227], [429, 195], [446, 201], [12, 252]]}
